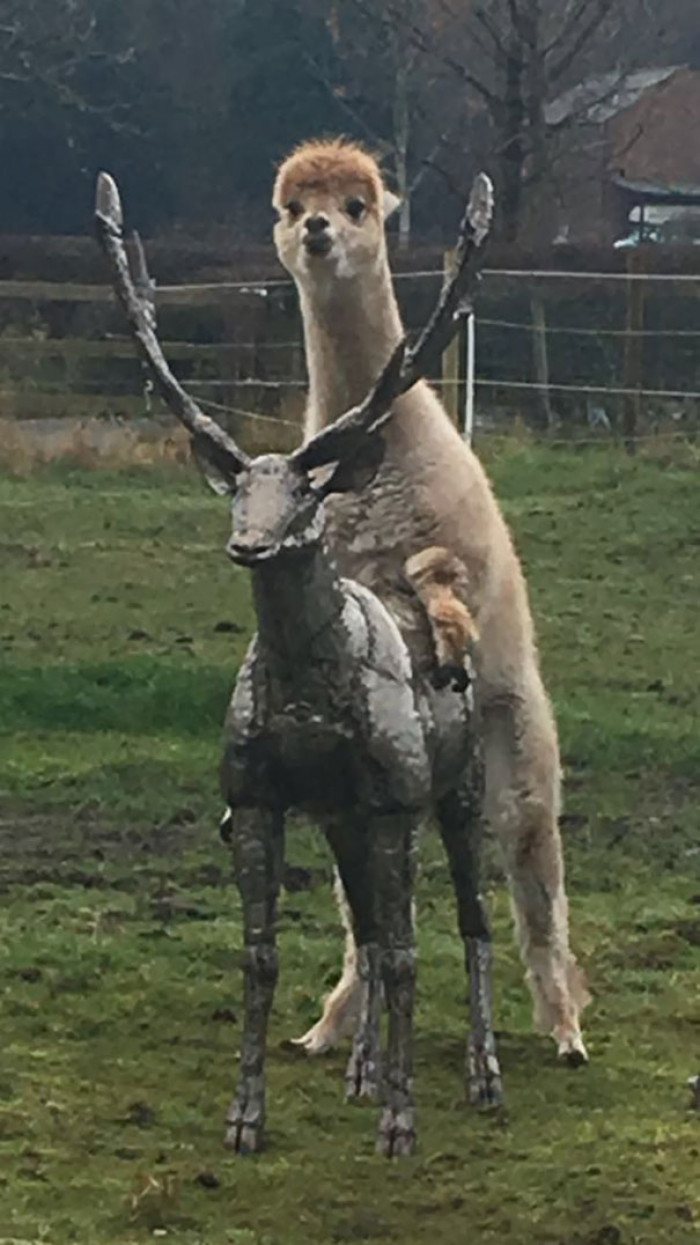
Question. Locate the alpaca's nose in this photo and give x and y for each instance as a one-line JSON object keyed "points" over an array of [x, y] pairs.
{"points": [[317, 224]]}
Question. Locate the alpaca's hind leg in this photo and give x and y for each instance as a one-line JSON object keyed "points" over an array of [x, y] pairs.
{"points": [[522, 805], [257, 840], [460, 818], [341, 1008]]}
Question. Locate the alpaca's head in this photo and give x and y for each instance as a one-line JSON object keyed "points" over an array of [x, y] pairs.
{"points": [[332, 203]]}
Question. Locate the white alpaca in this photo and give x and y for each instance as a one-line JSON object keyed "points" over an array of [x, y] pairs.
{"points": [[430, 491]]}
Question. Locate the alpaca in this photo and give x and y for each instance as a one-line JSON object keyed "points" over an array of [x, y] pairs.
{"points": [[431, 490]]}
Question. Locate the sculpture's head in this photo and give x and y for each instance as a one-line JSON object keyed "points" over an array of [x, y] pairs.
{"points": [[277, 503], [331, 203]]}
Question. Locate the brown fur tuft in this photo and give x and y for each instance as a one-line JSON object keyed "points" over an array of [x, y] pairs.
{"points": [[331, 164], [440, 581]]}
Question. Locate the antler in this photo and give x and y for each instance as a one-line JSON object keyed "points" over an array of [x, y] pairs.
{"points": [[136, 295], [409, 364]]}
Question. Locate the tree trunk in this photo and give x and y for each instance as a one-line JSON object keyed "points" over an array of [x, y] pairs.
{"points": [[402, 129], [538, 216], [512, 148]]}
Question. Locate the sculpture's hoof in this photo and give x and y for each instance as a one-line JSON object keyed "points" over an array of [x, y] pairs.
{"points": [[484, 1082], [572, 1052], [243, 1138], [244, 1132], [396, 1137], [694, 1087], [363, 1076]]}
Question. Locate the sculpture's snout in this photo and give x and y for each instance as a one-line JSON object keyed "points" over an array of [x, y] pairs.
{"points": [[249, 549]]}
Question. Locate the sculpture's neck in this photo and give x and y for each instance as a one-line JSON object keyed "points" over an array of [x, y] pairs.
{"points": [[351, 327], [298, 603]]}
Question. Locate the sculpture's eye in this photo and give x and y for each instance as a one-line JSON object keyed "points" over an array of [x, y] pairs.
{"points": [[294, 208], [355, 208]]}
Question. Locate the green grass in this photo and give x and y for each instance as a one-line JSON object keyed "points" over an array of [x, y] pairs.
{"points": [[122, 624]]}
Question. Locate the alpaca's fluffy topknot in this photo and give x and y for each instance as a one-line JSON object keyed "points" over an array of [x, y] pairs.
{"points": [[330, 164]]}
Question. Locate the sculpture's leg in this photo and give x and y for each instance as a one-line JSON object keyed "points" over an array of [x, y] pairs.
{"points": [[460, 818], [364, 1070], [392, 852], [258, 851], [351, 845]]}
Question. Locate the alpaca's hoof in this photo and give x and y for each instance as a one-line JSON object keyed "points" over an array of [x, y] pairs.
{"points": [[316, 1041], [572, 1052], [226, 827], [451, 675]]}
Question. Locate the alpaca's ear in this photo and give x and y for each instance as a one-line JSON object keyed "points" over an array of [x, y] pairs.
{"points": [[390, 203]]}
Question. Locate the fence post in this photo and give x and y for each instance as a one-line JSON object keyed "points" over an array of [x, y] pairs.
{"points": [[451, 359], [470, 344], [632, 364], [541, 359]]}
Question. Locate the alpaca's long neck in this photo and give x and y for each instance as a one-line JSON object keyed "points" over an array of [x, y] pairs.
{"points": [[299, 603], [350, 330]]}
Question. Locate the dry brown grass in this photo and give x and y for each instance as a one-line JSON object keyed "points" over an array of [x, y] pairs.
{"points": [[93, 443], [89, 444]]}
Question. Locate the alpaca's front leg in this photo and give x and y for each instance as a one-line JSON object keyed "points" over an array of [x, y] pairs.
{"points": [[257, 839]]}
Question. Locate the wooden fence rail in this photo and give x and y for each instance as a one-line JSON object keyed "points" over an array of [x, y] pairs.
{"points": [[60, 358]]}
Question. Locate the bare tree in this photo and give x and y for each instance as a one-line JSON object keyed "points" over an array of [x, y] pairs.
{"points": [[513, 59], [52, 53]]}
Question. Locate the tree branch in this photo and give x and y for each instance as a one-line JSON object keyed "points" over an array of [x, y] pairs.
{"points": [[557, 70]]}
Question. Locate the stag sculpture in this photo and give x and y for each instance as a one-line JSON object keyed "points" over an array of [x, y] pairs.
{"points": [[328, 716]]}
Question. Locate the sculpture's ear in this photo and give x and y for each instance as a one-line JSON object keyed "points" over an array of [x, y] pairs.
{"points": [[220, 482], [354, 471], [390, 203]]}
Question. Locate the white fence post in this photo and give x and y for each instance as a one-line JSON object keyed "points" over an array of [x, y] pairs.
{"points": [[470, 338]]}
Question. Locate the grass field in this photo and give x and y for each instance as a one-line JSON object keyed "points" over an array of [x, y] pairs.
{"points": [[121, 627]]}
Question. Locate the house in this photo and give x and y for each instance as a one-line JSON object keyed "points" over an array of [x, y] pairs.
{"points": [[626, 157]]}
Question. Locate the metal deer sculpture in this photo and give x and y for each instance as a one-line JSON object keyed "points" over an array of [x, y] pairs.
{"points": [[327, 715]]}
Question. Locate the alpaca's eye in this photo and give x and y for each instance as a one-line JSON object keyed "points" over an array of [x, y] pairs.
{"points": [[295, 208], [355, 208]]}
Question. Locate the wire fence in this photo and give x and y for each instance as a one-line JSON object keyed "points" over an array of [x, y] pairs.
{"points": [[549, 344]]}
